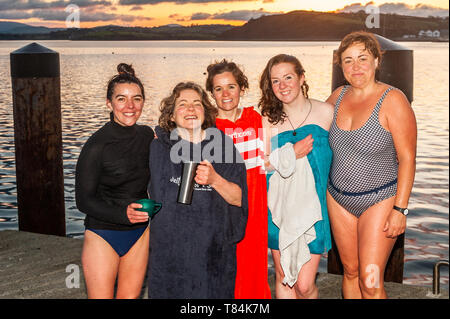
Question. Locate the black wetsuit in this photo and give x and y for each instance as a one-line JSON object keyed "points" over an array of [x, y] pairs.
{"points": [[112, 172]]}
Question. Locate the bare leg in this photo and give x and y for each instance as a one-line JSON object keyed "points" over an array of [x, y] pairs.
{"points": [[132, 268], [100, 264], [305, 287], [374, 249], [345, 232], [281, 291]]}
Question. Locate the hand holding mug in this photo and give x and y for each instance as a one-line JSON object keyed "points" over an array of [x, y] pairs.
{"points": [[206, 174], [134, 215], [143, 210]]}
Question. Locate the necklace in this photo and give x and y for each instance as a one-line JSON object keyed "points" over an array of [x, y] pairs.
{"points": [[309, 112]]}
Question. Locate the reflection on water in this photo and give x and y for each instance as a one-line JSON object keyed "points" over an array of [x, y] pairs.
{"points": [[87, 66]]}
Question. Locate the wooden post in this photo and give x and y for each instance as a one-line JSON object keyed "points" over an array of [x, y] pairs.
{"points": [[394, 266], [38, 139], [396, 70]]}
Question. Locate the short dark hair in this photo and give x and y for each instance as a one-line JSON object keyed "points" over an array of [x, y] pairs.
{"points": [[368, 39], [125, 74], [225, 66]]}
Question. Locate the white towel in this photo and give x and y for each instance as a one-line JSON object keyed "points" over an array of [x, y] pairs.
{"points": [[295, 208]]}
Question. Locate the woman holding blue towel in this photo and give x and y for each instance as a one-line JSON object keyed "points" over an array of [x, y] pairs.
{"points": [[298, 125], [112, 172]]}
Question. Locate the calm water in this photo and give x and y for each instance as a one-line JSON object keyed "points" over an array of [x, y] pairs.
{"points": [[87, 66]]}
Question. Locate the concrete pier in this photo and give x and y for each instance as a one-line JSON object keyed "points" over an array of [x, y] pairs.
{"points": [[49, 267]]}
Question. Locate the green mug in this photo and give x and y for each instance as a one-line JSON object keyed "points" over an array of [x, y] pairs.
{"points": [[149, 206]]}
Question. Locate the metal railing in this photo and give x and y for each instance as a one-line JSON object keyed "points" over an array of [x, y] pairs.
{"points": [[437, 276]]}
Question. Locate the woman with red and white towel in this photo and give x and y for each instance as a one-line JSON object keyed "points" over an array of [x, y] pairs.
{"points": [[227, 84]]}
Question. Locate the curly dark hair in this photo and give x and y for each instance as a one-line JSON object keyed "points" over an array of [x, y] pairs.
{"points": [[269, 104], [167, 106], [225, 66]]}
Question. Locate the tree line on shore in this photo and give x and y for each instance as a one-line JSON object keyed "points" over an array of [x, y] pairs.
{"points": [[292, 26]]}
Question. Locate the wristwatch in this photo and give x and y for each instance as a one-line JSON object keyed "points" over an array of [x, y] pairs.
{"points": [[404, 211]]}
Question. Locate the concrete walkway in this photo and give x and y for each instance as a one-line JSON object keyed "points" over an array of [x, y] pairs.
{"points": [[42, 266]]}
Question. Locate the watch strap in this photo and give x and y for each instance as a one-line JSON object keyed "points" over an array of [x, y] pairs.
{"points": [[401, 210]]}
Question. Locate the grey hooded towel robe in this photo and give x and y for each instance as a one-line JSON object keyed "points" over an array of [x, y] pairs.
{"points": [[193, 247]]}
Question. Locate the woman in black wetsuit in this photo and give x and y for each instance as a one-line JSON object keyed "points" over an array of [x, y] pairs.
{"points": [[112, 172]]}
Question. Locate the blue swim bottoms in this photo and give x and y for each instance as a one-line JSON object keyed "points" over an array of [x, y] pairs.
{"points": [[120, 240]]}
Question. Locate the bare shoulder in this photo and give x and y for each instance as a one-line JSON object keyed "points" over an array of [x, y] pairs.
{"points": [[265, 122], [396, 113], [334, 96], [267, 125], [398, 95], [322, 114], [324, 106], [396, 101]]}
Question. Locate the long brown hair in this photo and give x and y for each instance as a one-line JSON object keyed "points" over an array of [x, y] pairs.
{"points": [[167, 106], [269, 104]]}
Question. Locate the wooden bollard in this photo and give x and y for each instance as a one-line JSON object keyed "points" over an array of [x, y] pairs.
{"points": [[397, 70], [38, 139]]}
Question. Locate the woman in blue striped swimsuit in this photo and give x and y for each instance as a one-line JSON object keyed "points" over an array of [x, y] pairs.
{"points": [[373, 138]]}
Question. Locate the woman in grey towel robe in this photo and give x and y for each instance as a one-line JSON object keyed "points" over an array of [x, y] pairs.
{"points": [[193, 247]]}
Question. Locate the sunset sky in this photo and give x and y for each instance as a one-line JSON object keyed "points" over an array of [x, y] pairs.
{"points": [[149, 13]]}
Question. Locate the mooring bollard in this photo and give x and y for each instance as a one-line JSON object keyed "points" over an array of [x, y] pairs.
{"points": [[38, 139], [397, 70]]}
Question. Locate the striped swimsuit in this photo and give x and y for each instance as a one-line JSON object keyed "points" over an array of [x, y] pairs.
{"points": [[364, 167]]}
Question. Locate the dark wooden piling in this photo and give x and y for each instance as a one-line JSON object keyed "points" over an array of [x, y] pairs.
{"points": [[35, 77], [397, 70]]}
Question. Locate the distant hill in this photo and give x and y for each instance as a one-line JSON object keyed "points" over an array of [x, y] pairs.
{"points": [[292, 26], [310, 25], [111, 33], [7, 27], [166, 32]]}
